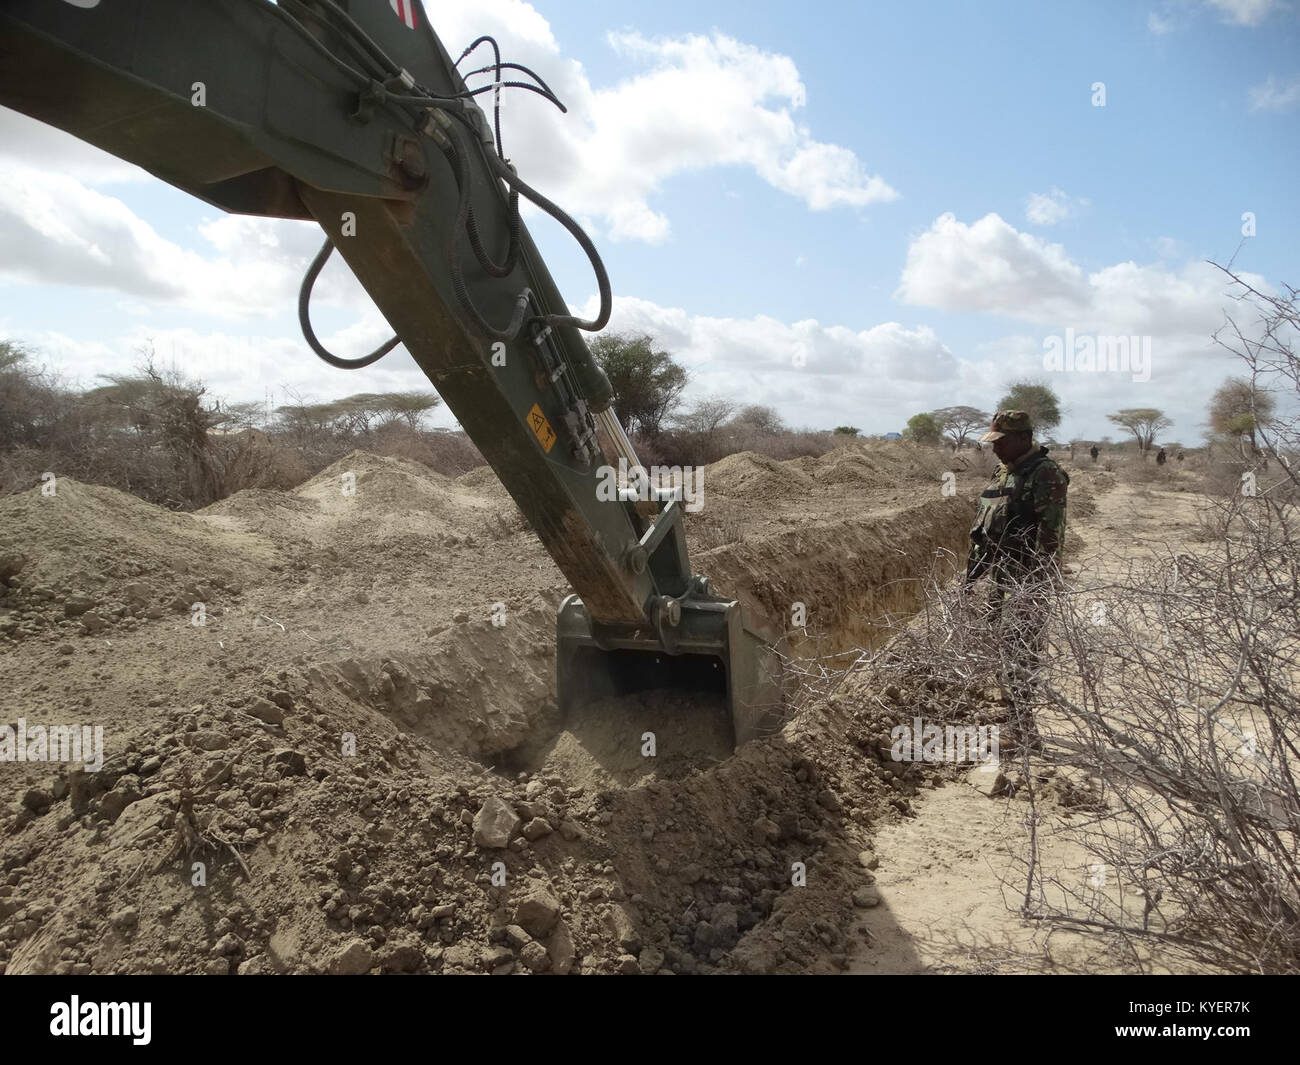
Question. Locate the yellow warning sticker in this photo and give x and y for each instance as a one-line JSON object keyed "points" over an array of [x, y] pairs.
{"points": [[541, 428]]}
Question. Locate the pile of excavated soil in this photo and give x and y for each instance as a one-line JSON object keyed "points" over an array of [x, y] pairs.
{"points": [[95, 558], [755, 478], [356, 762]]}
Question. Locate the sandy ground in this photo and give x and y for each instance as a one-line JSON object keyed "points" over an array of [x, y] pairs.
{"points": [[951, 878]]}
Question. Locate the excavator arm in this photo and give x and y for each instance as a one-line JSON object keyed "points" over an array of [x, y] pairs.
{"points": [[351, 113]]}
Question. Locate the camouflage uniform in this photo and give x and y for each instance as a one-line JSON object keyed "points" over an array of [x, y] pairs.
{"points": [[1016, 541]]}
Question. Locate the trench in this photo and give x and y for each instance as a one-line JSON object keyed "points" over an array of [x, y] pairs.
{"points": [[832, 588], [850, 584]]}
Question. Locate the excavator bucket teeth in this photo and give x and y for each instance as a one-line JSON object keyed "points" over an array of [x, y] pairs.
{"points": [[715, 650]]}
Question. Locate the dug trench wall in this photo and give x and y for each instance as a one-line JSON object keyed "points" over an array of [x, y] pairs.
{"points": [[854, 578]]}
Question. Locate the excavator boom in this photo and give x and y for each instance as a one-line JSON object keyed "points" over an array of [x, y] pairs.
{"points": [[352, 113]]}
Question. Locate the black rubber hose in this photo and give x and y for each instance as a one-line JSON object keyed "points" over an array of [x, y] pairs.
{"points": [[523, 70], [459, 162], [496, 84], [367, 61], [425, 101], [310, 38], [593, 256], [304, 318], [347, 22], [490, 267]]}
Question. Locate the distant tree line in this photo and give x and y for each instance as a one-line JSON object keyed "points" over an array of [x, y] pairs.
{"points": [[157, 434]]}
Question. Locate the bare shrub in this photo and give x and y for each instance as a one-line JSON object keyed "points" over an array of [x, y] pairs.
{"points": [[449, 453], [253, 459], [1143, 473], [1212, 522], [1172, 686]]}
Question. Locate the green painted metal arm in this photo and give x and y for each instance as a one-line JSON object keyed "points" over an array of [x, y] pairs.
{"points": [[253, 108]]}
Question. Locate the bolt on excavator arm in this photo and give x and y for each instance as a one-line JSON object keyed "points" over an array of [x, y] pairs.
{"points": [[353, 114]]}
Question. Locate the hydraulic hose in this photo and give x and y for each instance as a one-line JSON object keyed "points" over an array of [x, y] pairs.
{"points": [[593, 256], [304, 319], [460, 167]]}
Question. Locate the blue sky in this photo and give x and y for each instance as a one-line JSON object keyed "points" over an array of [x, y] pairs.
{"points": [[851, 212]]}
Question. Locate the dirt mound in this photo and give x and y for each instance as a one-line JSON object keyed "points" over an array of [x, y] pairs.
{"points": [[891, 465], [329, 842], [755, 478], [850, 466], [475, 688], [89, 559], [841, 585], [479, 477], [274, 515]]}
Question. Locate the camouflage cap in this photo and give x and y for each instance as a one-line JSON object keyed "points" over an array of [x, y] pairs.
{"points": [[1007, 421]]}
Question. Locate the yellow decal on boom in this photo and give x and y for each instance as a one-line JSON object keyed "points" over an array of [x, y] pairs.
{"points": [[541, 428]]}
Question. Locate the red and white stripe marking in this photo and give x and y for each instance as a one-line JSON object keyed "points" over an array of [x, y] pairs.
{"points": [[405, 11]]}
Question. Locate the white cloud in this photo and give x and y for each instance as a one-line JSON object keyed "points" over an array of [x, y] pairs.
{"points": [[70, 234], [1275, 95], [1159, 24], [1244, 12], [1048, 208], [877, 378], [990, 266], [1177, 14], [238, 367], [694, 103], [814, 374]]}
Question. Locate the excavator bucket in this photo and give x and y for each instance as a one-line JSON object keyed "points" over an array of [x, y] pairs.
{"points": [[713, 649]]}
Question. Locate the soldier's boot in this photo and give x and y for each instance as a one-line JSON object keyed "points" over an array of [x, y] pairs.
{"points": [[1021, 731], [1033, 740]]}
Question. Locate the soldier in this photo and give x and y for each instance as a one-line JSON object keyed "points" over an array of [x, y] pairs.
{"points": [[1160, 457], [1016, 542], [1094, 452]]}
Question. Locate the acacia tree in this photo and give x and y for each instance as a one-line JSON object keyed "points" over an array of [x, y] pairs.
{"points": [[923, 429], [1143, 422], [1238, 409], [1269, 345], [647, 383], [1038, 401], [959, 422], [164, 412], [359, 414], [759, 419], [706, 416], [408, 407]]}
